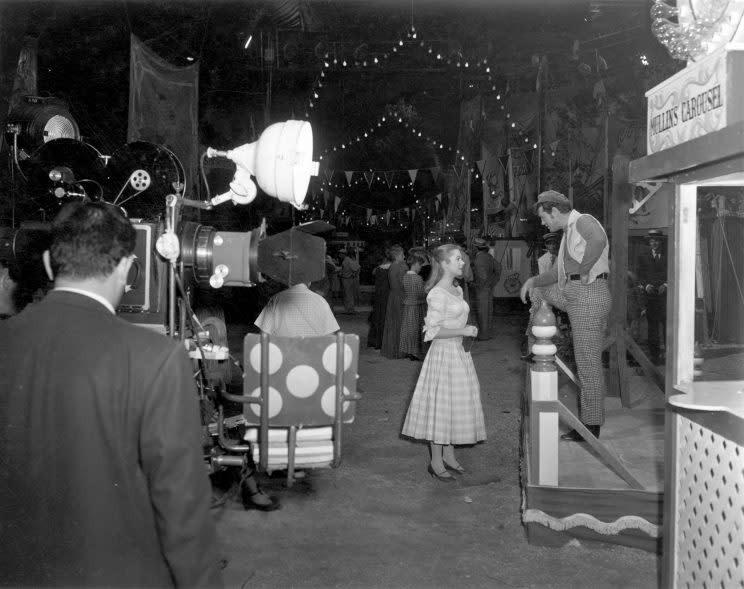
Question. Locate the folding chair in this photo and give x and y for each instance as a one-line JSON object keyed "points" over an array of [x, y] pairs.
{"points": [[297, 393]]}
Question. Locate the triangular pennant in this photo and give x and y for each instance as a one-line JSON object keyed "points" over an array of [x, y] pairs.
{"points": [[389, 177], [336, 202], [349, 175], [480, 164], [435, 173], [412, 174], [413, 214], [373, 219], [369, 214], [369, 176], [438, 197], [387, 217]]}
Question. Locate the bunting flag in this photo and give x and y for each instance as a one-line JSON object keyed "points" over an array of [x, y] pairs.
{"points": [[387, 217], [336, 202], [480, 164], [373, 219], [349, 176], [435, 173], [389, 177], [413, 173], [438, 197], [369, 214], [413, 214], [369, 176]]}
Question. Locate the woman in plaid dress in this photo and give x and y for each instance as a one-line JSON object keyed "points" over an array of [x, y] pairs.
{"points": [[446, 407], [414, 308]]}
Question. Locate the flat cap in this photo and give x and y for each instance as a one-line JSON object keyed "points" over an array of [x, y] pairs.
{"points": [[480, 243], [552, 196], [655, 234]]}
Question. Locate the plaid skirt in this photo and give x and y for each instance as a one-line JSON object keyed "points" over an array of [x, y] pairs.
{"points": [[446, 404], [412, 330]]}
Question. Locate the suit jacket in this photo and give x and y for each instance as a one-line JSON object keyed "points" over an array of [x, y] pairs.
{"points": [[486, 270], [101, 464], [651, 271]]}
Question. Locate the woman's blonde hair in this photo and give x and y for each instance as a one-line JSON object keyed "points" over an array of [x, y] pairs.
{"points": [[439, 255]]}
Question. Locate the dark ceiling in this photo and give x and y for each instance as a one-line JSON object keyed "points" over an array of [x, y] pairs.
{"points": [[84, 58]]}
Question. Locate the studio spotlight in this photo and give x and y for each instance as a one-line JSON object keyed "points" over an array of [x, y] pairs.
{"points": [[281, 161], [37, 120]]}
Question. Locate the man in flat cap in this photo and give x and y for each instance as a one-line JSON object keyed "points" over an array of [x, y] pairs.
{"points": [[652, 275], [486, 273], [577, 284], [547, 260]]}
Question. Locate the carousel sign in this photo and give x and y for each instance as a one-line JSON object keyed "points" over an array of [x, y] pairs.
{"points": [[696, 101]]}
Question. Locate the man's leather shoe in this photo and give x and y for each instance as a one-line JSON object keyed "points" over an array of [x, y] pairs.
{"points": [[574, 436]]}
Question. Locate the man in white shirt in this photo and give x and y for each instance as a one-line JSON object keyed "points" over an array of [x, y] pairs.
{"points": [[577, 284], [297, 312], [547, 260]]}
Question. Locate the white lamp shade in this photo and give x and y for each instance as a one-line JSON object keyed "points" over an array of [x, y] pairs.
{"points": [[281, 160]]}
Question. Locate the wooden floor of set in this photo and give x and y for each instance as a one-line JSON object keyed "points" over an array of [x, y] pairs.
{"points": [[613, 493]]}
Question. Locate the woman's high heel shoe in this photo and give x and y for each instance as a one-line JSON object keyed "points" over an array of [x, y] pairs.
{"points": [[458, 469], [443, 476]]}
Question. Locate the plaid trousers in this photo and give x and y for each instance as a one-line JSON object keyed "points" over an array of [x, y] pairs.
{"points": [[588, 307]]}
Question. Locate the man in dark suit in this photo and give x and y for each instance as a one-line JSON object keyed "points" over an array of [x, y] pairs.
{"points": [[102, 481], [652, 275], [486, 273]]}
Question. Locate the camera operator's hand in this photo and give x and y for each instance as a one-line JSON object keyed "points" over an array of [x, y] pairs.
{"points": [[526, 288], [167, 246]]}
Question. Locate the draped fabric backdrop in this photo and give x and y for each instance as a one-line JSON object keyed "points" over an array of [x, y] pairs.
{"points": [[727, 277], [163, 106]]}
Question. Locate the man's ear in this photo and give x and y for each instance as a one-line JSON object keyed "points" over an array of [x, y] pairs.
{"points": [[47, 264], [122, 268]]}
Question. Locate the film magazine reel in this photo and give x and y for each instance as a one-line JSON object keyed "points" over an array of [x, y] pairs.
{"points": [[137, 178]]}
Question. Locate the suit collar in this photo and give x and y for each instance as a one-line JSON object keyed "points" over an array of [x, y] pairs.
{"points": [[81, 298]]}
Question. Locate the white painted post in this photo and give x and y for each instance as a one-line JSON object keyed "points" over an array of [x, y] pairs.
{"points": [[544, 388]]}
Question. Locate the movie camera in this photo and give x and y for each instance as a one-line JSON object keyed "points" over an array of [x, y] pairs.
{"points": [[174, 253]]}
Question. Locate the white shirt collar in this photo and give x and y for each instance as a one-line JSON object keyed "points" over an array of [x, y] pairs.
{"points": [[88, 294]]}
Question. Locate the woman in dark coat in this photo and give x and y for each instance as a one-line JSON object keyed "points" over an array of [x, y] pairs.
{"points": [[391, 333], [414, 309], [379, 303]]}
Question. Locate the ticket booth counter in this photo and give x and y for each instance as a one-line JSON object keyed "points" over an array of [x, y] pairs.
{"points": [[703, 517]]}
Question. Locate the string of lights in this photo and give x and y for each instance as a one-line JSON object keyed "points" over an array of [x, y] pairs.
{"points": [[411, 39]]}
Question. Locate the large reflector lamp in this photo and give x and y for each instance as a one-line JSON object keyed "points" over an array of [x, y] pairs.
{"points": [[281, 161], [37, 120]]}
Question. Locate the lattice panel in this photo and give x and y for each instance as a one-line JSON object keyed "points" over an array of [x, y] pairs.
{"points": [[709, 530]]}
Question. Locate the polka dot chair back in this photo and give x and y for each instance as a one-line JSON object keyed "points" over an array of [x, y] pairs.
{"points": [[301, 379]]}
